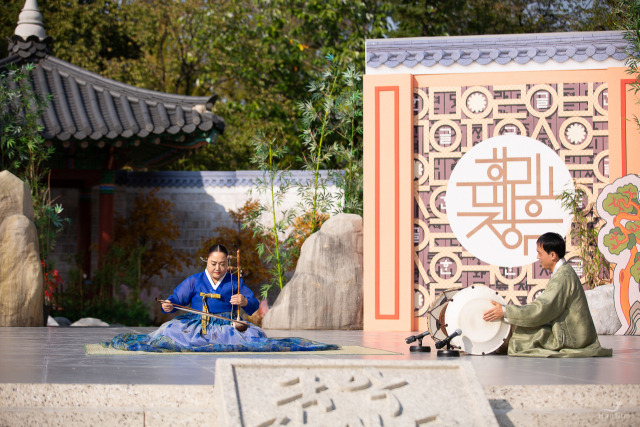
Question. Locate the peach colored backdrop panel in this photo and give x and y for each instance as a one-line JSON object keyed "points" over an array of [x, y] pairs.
{"points": [[630, 138], [388, 177], [388, 202]]}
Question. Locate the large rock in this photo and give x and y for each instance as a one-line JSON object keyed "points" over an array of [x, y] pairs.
{"points": [[62, 321], [20, 271], [603, 310], [89, 321], [15, 196], [326, 290]]}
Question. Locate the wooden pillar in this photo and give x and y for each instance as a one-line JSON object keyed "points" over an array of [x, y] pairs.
{"points": [[84, 229], [105, 218]]}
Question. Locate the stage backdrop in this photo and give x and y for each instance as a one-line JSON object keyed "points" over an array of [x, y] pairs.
{"points": [[468, 141]]}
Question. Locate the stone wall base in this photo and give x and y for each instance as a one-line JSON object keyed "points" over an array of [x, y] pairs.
{"points": [[149, 405]]}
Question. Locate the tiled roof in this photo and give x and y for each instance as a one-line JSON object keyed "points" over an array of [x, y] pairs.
{"points": [[86, 105], [501, 49], [100, 122]]}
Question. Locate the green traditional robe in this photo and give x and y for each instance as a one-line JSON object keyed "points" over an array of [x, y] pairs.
{"points": [[558, 323]]}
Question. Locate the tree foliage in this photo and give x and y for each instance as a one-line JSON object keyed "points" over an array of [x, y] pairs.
{"points": [[274, 245], [584, 235], [257, 55], [145, 236], [23, 149], [476, 17], [24, 153], [628, 12]]}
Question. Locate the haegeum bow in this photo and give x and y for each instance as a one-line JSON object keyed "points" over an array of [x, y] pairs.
{"points": [[193, 310]]}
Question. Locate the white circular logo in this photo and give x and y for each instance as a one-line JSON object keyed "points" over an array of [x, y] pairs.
{"points": [[502, 196]]}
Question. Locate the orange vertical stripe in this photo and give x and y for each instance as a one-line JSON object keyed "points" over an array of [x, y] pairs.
{"points": [[396, 142]]}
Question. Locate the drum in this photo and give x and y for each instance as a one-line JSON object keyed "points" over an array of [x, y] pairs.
{"points": [[437, 312], [465, 312]]}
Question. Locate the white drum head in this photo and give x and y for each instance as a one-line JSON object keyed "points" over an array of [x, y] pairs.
{"points": [[465, 312]]}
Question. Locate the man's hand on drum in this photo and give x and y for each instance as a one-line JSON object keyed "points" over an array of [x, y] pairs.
{"points": [[496, 313], [239, 299]]}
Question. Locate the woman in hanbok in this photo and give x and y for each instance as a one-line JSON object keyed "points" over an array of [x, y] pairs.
{"points": [[214, 291]]}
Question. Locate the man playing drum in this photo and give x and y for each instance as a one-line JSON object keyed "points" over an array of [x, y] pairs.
{"points": [[558, 323]]}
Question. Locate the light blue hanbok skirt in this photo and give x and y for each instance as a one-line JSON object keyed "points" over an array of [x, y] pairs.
{"points": [[184, 333]]}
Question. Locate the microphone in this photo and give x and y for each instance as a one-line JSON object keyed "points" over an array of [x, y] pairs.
{"points": [[448, 339], [413, 338]]}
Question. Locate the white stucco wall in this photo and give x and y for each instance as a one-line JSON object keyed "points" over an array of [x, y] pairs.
{"points": [[202, 202]]}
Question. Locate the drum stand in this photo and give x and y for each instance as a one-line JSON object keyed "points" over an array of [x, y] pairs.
{"points": [[420, 348]]}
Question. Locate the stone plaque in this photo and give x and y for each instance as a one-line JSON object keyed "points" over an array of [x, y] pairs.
{"points": [[259, 392]]}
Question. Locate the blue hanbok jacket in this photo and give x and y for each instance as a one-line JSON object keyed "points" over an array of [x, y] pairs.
{"points": [[188, 293]]}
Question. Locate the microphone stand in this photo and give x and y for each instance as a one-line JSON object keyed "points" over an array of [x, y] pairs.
{"points": [[419, 347], [449, 351]]}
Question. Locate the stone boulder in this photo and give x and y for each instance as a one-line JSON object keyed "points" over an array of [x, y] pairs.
{"points": [[89, 321], [15, 196], [603, 310], [325, 291], [62, 321], [21, 278]]}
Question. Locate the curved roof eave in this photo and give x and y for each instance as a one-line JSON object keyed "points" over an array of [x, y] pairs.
{"points": [[133, 91], [85, 105]]}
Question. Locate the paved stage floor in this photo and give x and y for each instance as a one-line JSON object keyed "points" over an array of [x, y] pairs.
{"points": [[56, 355]]}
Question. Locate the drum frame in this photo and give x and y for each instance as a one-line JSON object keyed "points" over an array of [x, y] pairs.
{"points": [[435, 320]]}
